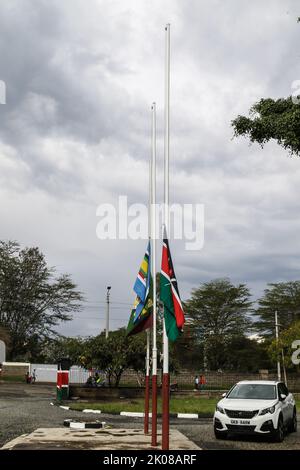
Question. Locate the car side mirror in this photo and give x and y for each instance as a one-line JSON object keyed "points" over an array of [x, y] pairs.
{"points": [[282, 396], [224, 395]]}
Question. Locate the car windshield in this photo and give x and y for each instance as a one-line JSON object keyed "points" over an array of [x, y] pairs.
{"points": [[253, 392]]}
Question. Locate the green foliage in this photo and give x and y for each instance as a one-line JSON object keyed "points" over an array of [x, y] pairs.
{"points": [[54, 349], [272, 119], [283, 297], [219, 308], [245, 354], [32, 300], [285, 341], [216, 312], [115, 353]]}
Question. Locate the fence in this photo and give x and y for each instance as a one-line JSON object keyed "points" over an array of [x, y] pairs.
{"points": [[185, 379], [48, 373]]}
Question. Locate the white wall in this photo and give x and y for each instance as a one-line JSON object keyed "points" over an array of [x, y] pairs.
{"points": [[2, 351], [48, 373]]}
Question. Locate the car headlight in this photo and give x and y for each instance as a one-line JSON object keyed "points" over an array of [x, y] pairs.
{"points": [[220, 409], [267, 410]]}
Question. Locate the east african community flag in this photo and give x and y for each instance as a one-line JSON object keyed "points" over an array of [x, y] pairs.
{"points": [[141, 314], [169, 294]]}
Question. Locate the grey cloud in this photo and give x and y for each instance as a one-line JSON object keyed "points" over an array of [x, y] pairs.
{"points": [[76, 132]]}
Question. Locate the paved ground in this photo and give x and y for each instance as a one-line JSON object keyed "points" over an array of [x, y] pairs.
{"points": [[24, 408], [96, 439]]}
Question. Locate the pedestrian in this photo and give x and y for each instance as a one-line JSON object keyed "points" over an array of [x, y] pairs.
{"points": [[196, 382], [33, 377], [202, 382], [27, 377]]}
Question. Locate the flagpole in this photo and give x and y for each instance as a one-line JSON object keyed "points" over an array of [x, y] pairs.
{"points": [[166, 376], [147, 378], [147, 386], [153, 267]]}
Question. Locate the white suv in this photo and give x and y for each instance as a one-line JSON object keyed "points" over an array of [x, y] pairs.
{"points": [[256, 407]]}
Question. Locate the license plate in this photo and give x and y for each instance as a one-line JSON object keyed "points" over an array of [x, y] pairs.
{"points": [[239, 421]]}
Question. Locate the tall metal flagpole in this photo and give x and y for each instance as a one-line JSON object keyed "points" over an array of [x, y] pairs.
{"points": [[166, 376], [153, 264], [147, 378]]}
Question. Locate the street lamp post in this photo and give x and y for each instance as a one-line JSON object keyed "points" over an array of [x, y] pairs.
{"points": [[276, 333], [107, 311]]}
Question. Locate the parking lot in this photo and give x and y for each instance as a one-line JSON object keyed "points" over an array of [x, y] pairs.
{"points": [[23, 408]]}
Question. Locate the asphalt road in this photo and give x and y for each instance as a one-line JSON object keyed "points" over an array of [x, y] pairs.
{"points": [[24, 408]]}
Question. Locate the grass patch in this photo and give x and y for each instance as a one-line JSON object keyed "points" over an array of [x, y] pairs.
{"points": [[203, 406], [13, 378]]}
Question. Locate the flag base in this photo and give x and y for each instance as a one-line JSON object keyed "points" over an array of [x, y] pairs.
{"points": [[165, 411], [147, 393], [154, 411]]}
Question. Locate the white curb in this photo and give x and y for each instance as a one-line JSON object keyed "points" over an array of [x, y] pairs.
{"points": [[91, 411], [132, 414], [188, 415], [83, 425], [74, 425]]}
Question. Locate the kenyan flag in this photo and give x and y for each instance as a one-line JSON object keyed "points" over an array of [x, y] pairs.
{"points": [[169, 294]]}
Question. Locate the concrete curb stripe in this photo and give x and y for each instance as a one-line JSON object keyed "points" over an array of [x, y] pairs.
{"points": [[188, 415], [83, 425], [74, 425], [133, 414], [91, 411]]}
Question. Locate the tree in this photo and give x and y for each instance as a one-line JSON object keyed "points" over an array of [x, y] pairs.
{"points": [[244, 354], [32, 300], [217, 311], [115, 354], [283, 297], [285, 341], [64, 347], [272, 119]]}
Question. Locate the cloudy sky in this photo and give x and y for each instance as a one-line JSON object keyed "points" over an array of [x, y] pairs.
{"points": [[75, 133]]}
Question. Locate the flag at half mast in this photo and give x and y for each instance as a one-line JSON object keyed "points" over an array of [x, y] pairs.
{"points": [[169, 294], [141, 314]]}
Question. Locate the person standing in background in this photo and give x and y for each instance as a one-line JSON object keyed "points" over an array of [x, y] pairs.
{"points": [[202, 382], [33, 377], [196, 382]]}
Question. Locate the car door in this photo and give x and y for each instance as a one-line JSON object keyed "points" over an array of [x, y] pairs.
{"points": [[285, 408], [289, 400]]}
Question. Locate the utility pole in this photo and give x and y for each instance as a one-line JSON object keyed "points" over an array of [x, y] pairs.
{"points": [[107, 311], [278, 361]]}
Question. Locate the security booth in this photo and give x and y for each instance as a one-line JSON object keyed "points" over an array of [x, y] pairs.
{"points": [[62, 384]]}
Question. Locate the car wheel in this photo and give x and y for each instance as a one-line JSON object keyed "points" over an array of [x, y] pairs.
{"points": [[279, 432], [293, 425], [220, 434]]}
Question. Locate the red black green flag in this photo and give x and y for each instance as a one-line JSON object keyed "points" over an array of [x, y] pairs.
{"points": [[169, 294]]}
